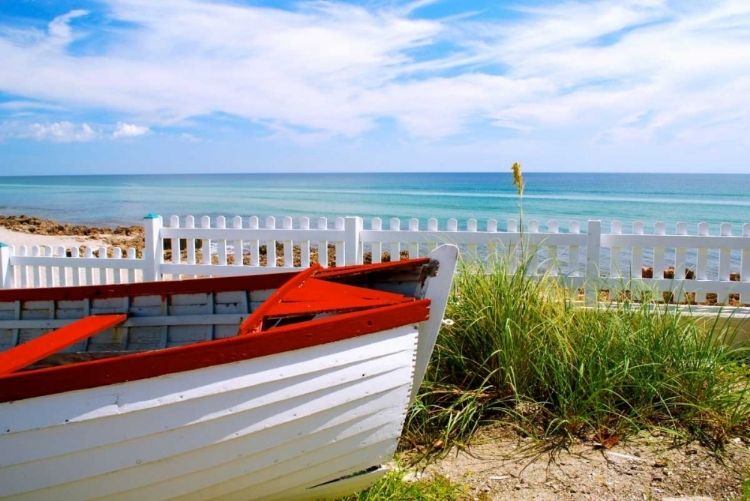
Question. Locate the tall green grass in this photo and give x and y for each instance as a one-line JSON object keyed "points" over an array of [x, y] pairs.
{"points": [[519, 351]]}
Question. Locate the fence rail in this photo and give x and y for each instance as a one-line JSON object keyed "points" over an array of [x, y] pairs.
{"points": [[697, 265]]}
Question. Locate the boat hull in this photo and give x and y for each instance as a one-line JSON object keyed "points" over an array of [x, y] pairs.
{"points": [[286, 386], [266, 428]]}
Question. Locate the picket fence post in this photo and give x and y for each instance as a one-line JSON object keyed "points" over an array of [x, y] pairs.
{"points": [[593, 251], [4, 265], [153, 251], [353, 248]]}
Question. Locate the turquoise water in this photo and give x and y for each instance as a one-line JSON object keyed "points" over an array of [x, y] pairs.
{"points": [[124, 200]]}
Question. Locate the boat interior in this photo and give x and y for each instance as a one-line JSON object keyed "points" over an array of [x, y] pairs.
{"points": [[42, 328]]}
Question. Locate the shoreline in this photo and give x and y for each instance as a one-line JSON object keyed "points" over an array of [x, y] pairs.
{"points": [[31, 231]]}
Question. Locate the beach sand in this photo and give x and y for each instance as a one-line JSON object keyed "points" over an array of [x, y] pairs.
{"points": [[18, 238], [30, 231]]}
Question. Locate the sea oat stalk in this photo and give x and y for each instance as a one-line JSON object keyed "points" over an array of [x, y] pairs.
{"points": [[519, 184], [518, 178]]}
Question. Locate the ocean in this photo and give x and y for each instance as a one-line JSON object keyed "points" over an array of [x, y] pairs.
{"points": [[112, 200]]}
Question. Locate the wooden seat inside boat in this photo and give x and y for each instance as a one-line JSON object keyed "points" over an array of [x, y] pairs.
{"points": [[38, 348]]}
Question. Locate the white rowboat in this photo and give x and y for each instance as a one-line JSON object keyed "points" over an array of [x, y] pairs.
{"points": [[279, 386]]}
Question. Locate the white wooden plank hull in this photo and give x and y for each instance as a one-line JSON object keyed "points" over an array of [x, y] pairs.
{"points": [[257, 429]]}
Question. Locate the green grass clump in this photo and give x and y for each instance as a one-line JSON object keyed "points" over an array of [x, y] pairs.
{"points": [[518, 350], [394, 486]]}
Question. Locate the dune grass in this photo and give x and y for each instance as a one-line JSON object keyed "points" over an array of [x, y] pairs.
{"points": [[519, 351]]}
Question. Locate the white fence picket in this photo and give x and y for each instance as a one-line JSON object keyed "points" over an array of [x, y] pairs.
{"points": [[432, 226], [190, 242], [23, 270], [36, 280], [103, 272], [636, 268], [206, 242], [254, 244], [62, 270], [532, 249], [552, 265], [323, 244], [237, 250], [174, 222], [117, 272], [659, 229], [615, 285], [492, 244], [48, 251], [221, 244], [574, 252], [339, 244], [75, 254], [131, 271], [472, 253], [593, 248], [513, 247], [377, 246], [304, 245], [288, 243], [413, 246], [88, 271], [395, 246], [725, 230], [701, 268]]}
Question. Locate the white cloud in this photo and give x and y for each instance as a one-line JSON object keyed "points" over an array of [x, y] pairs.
{"points": [[129, 130], [66, 132], [624, 70], [58, 132], [59, 29]]}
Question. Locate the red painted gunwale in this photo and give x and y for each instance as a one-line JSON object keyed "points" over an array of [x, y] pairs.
{"points": [[357, 269], [138, 366]]}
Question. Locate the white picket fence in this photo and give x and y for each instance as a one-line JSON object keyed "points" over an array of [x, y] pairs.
{"points": [[592, 260]]}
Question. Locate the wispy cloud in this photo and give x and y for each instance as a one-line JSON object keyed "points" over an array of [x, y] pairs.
{"points": [[328, 69], [59, 32], [27, 105], [68, 132]]}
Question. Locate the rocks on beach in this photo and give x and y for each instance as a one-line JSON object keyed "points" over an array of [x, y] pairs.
{"points": [[69, 235]]}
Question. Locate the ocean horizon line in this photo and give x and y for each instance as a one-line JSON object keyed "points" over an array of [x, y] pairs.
{"points": [[369, 173]]}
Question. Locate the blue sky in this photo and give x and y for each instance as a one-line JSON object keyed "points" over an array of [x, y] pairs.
{"points": [[137, 86]]}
